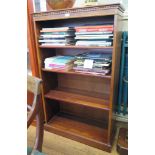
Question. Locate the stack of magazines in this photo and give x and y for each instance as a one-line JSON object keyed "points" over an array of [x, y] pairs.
{"points": [[64, 63], [93, 63], [101, 35], [57, 36]]}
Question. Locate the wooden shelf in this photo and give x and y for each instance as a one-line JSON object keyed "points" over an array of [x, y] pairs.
{"points": [[77, 47], [76, 73], [78, 99], [72, 127]]}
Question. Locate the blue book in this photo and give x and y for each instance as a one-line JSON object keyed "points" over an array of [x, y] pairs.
{"points": [[60, 59]]}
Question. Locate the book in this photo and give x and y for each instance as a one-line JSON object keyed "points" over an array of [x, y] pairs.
{"points": [[66, 40], [66, 33], [93, 62], [92, 73], [87, 70], [58, 36], [93, 37], [97, 65], [52, 41], [51, 33], [53, 44], [94, 26], [57, 29], [98, 56], [59, 62], [93, 43], [59, 68], [94, 29], [53, 36], [93, 32], [99, 28]]}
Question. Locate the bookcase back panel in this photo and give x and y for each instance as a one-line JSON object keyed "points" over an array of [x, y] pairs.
{"points": [[105, 20], [87, 113], [50, 81], [96, 87], [80, 51], [46, 53], [52, 108]]}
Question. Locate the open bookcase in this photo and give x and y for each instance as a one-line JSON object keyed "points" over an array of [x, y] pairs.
{"points": [[79, 106]]}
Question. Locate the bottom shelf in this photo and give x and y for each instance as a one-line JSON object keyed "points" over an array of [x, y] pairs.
{"points": [[71, 127]]}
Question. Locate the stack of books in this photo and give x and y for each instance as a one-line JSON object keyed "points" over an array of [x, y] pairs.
{"points": [[57, 36], [101, 35], [64, 63], [93, 63]]}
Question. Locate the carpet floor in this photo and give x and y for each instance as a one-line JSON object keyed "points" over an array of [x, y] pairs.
{"points": [[57, 145]]}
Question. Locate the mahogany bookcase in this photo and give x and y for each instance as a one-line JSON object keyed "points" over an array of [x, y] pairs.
{"points": [[79, 106]]}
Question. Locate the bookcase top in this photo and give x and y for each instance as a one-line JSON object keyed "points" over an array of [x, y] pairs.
{"points": [[98, 10]]}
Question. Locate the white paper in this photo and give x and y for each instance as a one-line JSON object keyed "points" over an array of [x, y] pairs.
{"points": [[88, 63]]}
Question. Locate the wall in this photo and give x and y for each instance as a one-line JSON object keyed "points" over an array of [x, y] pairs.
{"points": [[79, 3], [125, 23]]}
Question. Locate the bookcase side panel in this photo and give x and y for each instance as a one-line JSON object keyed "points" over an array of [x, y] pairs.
{"points": [[36, 33], [116, 54], [40, 55]]}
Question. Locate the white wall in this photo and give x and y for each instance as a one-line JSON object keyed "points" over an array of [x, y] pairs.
{"points": [[125, 23], [79, 3]]}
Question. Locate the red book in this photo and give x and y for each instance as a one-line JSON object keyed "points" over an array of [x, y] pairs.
{"points": [[95, 26], [100, 28], [94, 30]]}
